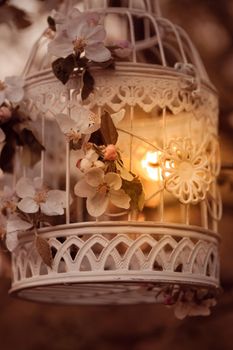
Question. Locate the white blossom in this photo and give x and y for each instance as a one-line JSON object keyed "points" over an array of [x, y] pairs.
{"points": [[100, 189], [82, 33], [90, 160], [14, 225], [11, 89], [191, 308], [34, 197], [80, 122]]}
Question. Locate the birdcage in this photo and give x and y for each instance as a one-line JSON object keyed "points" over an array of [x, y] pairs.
{"points": [[168, 140]]}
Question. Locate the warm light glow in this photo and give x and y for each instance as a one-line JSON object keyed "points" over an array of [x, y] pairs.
{"points": [[151, 165]]}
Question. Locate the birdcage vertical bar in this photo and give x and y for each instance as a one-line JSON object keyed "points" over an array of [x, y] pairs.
{"points": [[42, 168], [204, 215], [161, 201], [214, 207], [178, 38], [68, 165], [160, 43], [132, 36], [157, 8]]}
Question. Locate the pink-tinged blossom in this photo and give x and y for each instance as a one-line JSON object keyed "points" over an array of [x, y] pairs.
{"points": [[110, 153]]}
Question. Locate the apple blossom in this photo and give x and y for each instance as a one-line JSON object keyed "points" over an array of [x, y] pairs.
{"points": [[110, 153], [124, 48], [92, 18], [192, 308], [14, 224], [34, 197], [80, 35], [89, 160], [100, 189], [80, 122], [11, 89]]}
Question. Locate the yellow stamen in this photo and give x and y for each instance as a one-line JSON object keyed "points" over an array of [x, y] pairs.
{"points": [[73, 135], [79, 44], [41, 196]]}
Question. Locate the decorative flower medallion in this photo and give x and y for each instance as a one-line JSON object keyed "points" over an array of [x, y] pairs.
{"points": [[186, 171]]}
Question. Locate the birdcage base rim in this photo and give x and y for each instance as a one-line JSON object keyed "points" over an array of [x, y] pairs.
{"points": [[115, 292], [91, 254]]}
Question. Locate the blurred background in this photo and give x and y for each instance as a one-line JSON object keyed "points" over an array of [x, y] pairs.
{"points": [[25, 325]]}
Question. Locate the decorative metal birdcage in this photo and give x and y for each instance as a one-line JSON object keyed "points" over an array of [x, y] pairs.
{"points": [[163, 246]]}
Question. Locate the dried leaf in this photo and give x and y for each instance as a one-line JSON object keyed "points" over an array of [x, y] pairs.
{"points": [[51, 23], [63, 67], [31, 147], [96, 138], [108, 129], [88, 85], [7, 157], [44, 250], [82, 62], [135, 191]]}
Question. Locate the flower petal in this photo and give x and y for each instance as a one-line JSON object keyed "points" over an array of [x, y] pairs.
{"points": [[83, 189], [119, 198], [61, 46], [28, 205], [15, 81], [38, 183], [118, 116], [181, 310], [2, 136], [65, 123], [11, 241], [94, 177], [24, 188], [14, 94], [98, 53], [55, 203], [2, 96], [97, 205], [14, 223], [113, 180], [94, 34]]}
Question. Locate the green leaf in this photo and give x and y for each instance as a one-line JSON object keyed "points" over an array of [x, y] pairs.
{"points": [[88, 85], [135, 191], [44, 250], [63, 67], [32, 148], [108, 129]]}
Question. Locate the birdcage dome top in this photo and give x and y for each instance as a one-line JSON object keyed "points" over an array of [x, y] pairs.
{"points": [[156, 42]]}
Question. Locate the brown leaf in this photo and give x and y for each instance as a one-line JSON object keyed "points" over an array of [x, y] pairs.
{"points": [[135, 191], [108, 129], [32, 148], [63, 67], [44, 250], [51, 23], [88, 85]]}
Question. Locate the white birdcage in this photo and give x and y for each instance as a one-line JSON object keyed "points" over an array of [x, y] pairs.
{"points": [[168, 137]]}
